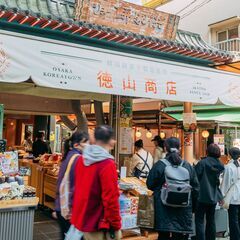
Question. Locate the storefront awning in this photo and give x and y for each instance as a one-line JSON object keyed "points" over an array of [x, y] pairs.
{"points": [[208, 113]]}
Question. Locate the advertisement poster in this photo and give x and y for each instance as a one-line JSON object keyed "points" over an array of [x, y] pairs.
{"points": [[8, 162], [126, 140], [188, 139], [219, 140], [190, 121]]}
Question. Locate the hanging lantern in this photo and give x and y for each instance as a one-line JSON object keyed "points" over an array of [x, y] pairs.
{"points": [[138, 134], [149, 134], [205, 134], [162, 135]]}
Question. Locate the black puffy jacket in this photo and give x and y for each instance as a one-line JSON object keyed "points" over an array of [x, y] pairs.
{"points": [[208, 172], [171, 219]]}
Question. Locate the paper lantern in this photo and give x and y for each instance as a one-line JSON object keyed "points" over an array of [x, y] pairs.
{"points": [[149, 134], [138, 134], [205, 134], [162, 135]]}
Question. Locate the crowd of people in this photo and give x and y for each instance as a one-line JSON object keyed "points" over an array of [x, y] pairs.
{"points": [[87, 204]]}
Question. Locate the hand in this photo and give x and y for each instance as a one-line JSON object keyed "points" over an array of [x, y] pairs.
{"points": [[221, 203], [54, 215]]}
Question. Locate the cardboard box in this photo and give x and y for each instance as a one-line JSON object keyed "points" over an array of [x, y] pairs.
{"points": [[146, 212], [129, 221]]}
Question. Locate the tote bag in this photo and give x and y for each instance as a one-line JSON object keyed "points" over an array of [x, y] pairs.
{"points": [[64, 190], [73, 234]]}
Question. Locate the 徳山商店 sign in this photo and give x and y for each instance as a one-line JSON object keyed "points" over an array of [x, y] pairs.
{"points": [[67, 66]]}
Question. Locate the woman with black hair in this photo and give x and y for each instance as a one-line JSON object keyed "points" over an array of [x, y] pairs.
{"points": [[230, 188], [170, 221], [159, 152], [72, 146], [142, 161], [208, 172]]}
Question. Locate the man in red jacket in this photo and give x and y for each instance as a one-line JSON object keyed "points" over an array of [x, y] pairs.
{"points": [[96, 210]]}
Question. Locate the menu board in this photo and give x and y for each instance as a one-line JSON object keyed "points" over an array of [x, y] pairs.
{"points": [[126, 141], [8, 163]]}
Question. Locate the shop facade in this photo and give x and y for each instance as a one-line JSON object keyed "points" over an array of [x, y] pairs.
{"points": [[41, 75]]}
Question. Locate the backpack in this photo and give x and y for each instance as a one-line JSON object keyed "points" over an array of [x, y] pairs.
{"points": [[64, 190], [137, 172], [176, 191]]}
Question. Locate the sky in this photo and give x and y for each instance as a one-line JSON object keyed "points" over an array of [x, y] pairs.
{"points": [[196, 15], [175, 6]]}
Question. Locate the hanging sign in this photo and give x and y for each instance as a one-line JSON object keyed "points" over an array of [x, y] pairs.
{"points": [[59, 65], [129, 17], [219, 140]]}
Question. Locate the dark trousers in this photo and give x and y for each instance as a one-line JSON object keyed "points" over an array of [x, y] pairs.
{"points": [[234, 221], [172, 236], [63, 224], [207, 232]]}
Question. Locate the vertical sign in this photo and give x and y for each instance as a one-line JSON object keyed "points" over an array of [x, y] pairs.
{"points": [[126, 132], [219, 140]]}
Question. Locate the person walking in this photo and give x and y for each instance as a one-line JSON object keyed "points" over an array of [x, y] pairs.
{"points": [[96, 210], [142, 161], [73, 148], [159, 152], [208, 171], [173, 210], [230, 188]]}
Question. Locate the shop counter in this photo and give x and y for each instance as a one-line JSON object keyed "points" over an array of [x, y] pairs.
{"points": [[17, 218], [49, 191]]}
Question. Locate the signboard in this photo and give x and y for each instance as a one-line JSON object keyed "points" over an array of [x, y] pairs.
{"points": [[236, 143], [126, 140], [3, 144], [190, 121], [8, 163], [129, 17], [219, 140], [154, 3], [66, 66]]}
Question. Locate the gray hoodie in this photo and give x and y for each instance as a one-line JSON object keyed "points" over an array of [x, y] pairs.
{"points": [[94, 154]]}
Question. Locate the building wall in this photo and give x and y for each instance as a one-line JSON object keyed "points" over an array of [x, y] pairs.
{"points": [[214, 11]]}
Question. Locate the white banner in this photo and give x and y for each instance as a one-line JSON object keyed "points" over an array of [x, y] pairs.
{"points": [[81, 68]]}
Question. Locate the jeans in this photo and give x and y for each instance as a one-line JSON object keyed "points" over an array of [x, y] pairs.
{"points": [[63, 224], [234, 221], [207, 232], [172, 236]]}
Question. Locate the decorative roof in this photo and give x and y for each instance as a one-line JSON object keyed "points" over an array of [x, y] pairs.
{"points": [[59, 15]]}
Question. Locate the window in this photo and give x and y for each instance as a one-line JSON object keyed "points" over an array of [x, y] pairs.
{"points": [[233, 33], [222, 36], [227, 34]]}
